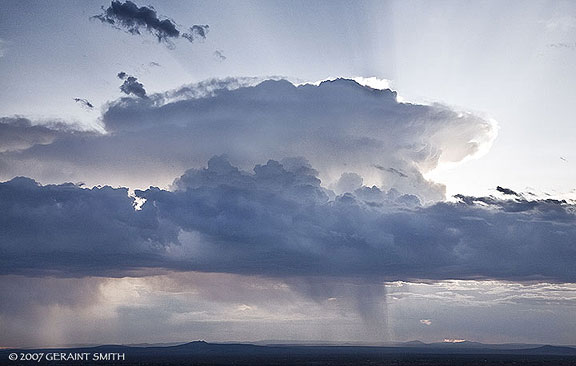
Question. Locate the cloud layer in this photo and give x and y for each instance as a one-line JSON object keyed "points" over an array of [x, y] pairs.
{"points": [[71, 230], [279, 221], [18, 133], [339, 126]]}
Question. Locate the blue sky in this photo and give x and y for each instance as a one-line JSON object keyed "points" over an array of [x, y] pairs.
{"points": [[483, 96], [512, 62]]}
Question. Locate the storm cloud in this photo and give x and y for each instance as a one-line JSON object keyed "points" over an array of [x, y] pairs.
{"points": [[278, 221], [51, 228], [340, 126]]}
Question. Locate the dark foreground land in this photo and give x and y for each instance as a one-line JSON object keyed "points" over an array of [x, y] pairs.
{"points": [[206, 354]]}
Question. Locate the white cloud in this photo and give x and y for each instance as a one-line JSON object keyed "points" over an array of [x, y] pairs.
{"points": [[340, 126]]}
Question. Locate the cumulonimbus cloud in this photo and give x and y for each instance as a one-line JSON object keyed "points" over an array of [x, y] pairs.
{"points": [[340, 126], [279, 221], [354, 202]]}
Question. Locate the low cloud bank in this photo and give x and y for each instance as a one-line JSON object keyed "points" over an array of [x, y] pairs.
{"points": [[279, 221]]}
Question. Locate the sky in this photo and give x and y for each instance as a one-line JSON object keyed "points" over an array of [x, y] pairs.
{"points": [[368, 171]]}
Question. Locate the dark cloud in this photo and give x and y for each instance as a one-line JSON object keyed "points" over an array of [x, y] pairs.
{"points": [[515, 205], [122, 75], [196, 32], [133, 19], [68, 229], [131, 85], [84, 103], [283, 222], [507, 191], [279, 221], [151, 140]]}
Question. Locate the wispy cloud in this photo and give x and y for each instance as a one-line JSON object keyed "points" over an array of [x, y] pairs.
{"points": [[85, 103], [196, 32], [391, 170], [219, 55], [562, 45]]}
